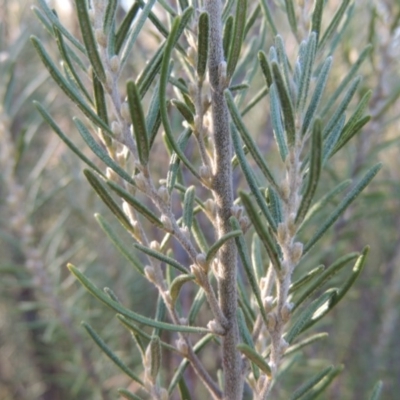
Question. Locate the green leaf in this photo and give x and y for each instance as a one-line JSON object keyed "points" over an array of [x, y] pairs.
{"points": [[350, 197], [184, 363], [198, 301], [305, 78], [316, 97], [317, 17], [65, 54], [136, 204], [254, 101], [323, 202], [248, 140], [55, 21], [184, 390], [291, 15], [89, 39], [199, 237], [305, 387], [268, 15], [173, 37], [135, 330], [265, 68], [262, 230], [109, 16], [66, 87], [283, 62], [274, 204], [307, 315], [184, 110], [100, 152], [99, 294], [254, 357], [311, 339], [139, 122], [252, 19], [376, 392], [332, 139], [248, 173], [202, 45], [46, 116], [256, 258], [323, 384], [123, 29], [126, 394], [244, 257], [247, 338], [330, 30], [237, 37], [118, 243], [101, 107], [134, 32], [155, 357], [110, 354], [276, 121], [322, 278], [314, 171], [101, 190], [227, 36], [341, 107], [153, 118], [350, 134], [286, 105], [305, 279], [161, 257], [177, 284], [213, 250], [188, 206], [333, 97]]}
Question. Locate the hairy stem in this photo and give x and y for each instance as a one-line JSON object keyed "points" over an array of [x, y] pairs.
{"points": [[223, 194]]}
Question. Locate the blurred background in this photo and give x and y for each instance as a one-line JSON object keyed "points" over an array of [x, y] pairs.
{"points": [[46, 220]]}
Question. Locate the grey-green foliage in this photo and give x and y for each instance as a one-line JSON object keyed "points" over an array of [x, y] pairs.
{"points": [[153, 193]]}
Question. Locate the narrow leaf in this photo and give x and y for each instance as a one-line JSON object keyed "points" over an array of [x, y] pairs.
{"points": [[100, 152], [306, 386], [136, 204], [317, 17], [291, 15], [305, 279], [184, 110], [118, 243], [330, 30], [265, 68], [256, 258], [262, 230], [202, 45], [126, 394], [237, 37], [313, 173], [188, 206], [251, 179], [101, 190], [47, 117], [99, 294], [227, 36], [351, 196], [177, 284], [322, 278], [254, 357], [244, 257], [123, 29], [110, 354], [276, 120], [161, 257], [268, 15], [376, 392], [89, 39], [298, 346], [316, 97], [173, 37], [248, 140], [139, 122], [213, 250], [109, 16]]}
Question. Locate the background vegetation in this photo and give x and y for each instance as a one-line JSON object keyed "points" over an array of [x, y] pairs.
{"points": [[47, 208]]}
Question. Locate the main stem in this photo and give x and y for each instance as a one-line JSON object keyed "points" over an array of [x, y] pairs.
{"points": [[223, 194]]}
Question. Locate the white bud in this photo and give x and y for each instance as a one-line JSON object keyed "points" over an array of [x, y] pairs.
{"points": [[297, 252], [202, 262], [210, 206], [286, 311], [291, 225], [164, 394], [244, 223], [116, 128], [140, 182], [282, 233], [167, 223], [271, 321], [183, 321], [91, 15], [198, 274], [205, 172], [154, 245], [215, 327], [268, 303], [101, 37], [185, 231], [182, 346], [126, 115], [163, 193], [284, 345], [114, 64], [150, 274]]}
